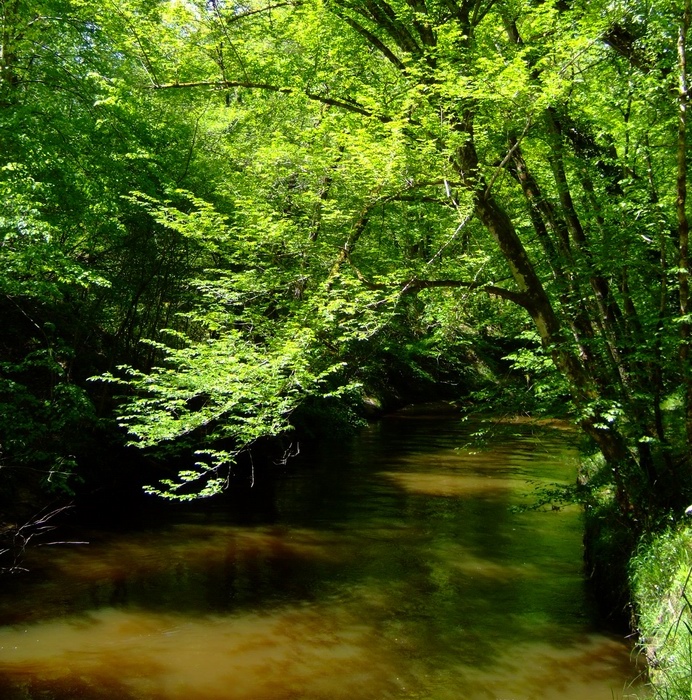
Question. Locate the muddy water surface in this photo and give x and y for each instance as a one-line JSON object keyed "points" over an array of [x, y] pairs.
{"points": [[393, 567]]}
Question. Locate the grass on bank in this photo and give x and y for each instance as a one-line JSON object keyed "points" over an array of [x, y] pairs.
{"points": [[661, 587]]}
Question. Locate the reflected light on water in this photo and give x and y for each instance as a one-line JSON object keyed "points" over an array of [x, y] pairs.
{"points": [[193, 545], [444, 484], [576, 672], [173, 657], [310, 652]]}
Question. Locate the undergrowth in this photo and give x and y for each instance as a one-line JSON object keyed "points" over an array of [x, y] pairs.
{"points": [[661, 584]]}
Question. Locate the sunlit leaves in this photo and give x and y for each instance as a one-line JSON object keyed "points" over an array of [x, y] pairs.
{"points": [[276, 184], [223, 388]]}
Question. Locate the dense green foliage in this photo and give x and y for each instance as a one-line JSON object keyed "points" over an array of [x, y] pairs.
{"points": [[296, 188], [248, 205]]}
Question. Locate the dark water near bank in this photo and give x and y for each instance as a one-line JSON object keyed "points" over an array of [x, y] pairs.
{"points": [[389, 568]]}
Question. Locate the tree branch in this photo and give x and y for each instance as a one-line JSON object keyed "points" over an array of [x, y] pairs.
{"points": [[480, 13], [373, 40], [349, 106], [505, 160], [623, 42], [385, 18], [416, 285], [249, 13]]}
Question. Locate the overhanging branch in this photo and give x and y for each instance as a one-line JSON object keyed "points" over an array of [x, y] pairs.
{"points": [[249, 13], [345, 104], [415, 285]]}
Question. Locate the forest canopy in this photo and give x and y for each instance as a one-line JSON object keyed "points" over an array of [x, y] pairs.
{"points": [[215, 212]]}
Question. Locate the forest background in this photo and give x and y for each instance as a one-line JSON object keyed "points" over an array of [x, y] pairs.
{"points": [[223, 220]]}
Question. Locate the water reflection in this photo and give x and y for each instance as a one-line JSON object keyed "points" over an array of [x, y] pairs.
{"points": [[394, 569]]}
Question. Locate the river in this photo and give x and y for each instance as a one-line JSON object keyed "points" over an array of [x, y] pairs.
{"points": [[391, 567]]}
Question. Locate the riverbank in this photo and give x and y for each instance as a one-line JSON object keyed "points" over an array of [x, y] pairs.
{"points": [[661, 584]]}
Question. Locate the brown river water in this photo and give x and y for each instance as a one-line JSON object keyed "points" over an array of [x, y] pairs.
{"points": [[388, 567]]}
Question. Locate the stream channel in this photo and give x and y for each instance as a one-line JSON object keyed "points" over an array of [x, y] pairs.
{"points": [[392, 566]]}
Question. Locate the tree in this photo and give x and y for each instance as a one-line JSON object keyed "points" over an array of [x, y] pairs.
{"points": [[85, 274], [358, 155]]}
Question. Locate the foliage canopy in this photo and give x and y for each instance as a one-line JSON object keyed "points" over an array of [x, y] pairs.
{"points": [[247, 204]]}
